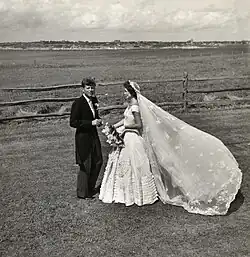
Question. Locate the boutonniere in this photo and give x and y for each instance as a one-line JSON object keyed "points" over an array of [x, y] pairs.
{"points": [[96, 105]]}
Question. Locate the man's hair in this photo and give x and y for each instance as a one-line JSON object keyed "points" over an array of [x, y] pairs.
{"points": [[88, 82]]}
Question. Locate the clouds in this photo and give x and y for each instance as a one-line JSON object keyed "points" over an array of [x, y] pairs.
{"points": [[161, 16]]}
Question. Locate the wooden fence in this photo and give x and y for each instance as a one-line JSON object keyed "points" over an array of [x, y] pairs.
{"points": [[184, 102]]}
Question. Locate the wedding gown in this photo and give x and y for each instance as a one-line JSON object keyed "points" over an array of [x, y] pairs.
{"points": [[190, 167], [128, 178]]}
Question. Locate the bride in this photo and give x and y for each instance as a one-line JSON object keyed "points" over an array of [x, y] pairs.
{"points": [[165, 158]]}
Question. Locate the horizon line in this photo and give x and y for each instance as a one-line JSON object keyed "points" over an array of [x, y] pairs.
{"points": [[124, 41]]}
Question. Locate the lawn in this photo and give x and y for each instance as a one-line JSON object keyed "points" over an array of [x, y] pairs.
{"points": [[41, 215]]}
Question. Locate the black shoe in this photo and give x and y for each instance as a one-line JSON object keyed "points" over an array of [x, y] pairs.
{"points": [[91, 193], [85, 197]]}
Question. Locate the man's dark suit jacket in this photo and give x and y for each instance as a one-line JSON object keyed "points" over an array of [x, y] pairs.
{"points": [[81, 118]]}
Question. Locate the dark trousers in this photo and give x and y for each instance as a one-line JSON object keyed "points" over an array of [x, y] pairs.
{"points": [[89, 170]]}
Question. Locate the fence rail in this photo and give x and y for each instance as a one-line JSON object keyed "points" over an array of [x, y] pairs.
{"points": [[39, 100], [198, 91], [219, 78], [184, 103], [186, 91], [39, 89], [116, 107], [108, 108]]}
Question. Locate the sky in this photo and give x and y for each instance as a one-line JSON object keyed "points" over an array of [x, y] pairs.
{"points": [[126, 20]]}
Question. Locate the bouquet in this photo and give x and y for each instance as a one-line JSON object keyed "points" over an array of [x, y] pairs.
{"points": [[113, 137]]}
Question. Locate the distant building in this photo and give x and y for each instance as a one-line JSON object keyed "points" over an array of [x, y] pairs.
{"points": [[190, 42]]}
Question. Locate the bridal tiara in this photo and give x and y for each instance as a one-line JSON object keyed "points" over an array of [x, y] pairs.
{"points": [[135, 86]]}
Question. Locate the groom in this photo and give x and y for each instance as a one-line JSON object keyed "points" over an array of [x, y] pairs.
{"points": [[85, 118]]}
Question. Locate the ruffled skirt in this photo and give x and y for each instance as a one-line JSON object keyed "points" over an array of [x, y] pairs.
{"points": [[127, 178]]}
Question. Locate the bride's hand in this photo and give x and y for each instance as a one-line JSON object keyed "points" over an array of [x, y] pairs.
{"points": [[120, 130]]}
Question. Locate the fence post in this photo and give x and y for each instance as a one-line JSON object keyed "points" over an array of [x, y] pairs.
{"points": [[185, 91]]}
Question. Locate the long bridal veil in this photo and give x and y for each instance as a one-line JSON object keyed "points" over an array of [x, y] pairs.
{"points": [[191, 168]]}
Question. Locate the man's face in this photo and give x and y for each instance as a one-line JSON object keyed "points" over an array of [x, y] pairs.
{"points": [[89, 90]]}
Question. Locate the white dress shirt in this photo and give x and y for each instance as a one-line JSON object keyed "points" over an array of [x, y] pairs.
{"points": [[90, 104]]}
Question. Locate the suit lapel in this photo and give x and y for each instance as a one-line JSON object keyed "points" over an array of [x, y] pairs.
{"points": [[87, 107]]}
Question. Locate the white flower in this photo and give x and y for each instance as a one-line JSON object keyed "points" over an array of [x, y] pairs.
{"points": [[221, 164], [166, 135]]}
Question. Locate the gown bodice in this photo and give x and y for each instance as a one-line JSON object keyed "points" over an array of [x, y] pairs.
{"points": [[128, 115]]}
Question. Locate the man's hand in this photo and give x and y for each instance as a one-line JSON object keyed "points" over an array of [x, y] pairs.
{"points": [[97, 122], [100, 123]]}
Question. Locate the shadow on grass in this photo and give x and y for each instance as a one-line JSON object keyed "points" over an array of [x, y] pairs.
{"points": [[236, 204]]}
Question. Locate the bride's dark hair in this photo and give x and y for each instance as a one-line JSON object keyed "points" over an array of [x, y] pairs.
{"points": [[130, 89]]}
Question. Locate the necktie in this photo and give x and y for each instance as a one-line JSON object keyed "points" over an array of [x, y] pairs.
{"points": [[91, 106]]}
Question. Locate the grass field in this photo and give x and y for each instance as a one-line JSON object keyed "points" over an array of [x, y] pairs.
{"points": [[40, 214], [53, 67], [17, 69]]}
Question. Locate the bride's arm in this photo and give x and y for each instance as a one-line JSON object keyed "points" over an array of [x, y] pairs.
{"points": [[137, 117], [138, 122], [119, 124]]}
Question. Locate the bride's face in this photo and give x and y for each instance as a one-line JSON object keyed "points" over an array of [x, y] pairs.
{"points": [[126, 94]]}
